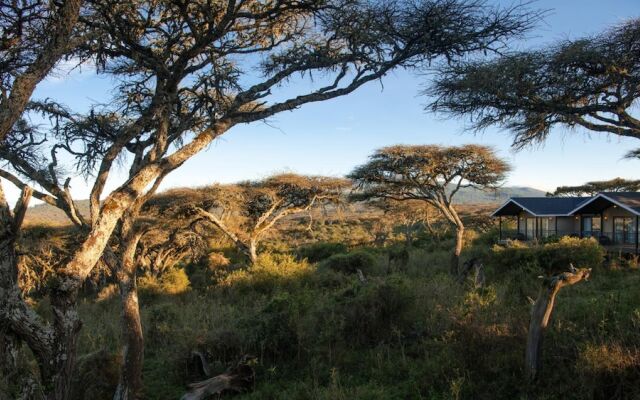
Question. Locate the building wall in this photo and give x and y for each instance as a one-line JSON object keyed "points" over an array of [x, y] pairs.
{"points": [[568, 225], [610, 213]]}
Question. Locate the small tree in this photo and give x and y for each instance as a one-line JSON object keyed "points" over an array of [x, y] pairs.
{"points": [[430, 173], [247, 211], [595, 187], [592, 83]]}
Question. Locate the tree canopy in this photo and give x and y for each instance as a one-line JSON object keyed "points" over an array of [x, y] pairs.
{"points": [[247, 211], [593, 83], [430, 173], [595, 187]]}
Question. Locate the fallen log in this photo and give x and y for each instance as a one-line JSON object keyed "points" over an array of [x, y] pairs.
{"points": [[541, 314], [237, 379]]}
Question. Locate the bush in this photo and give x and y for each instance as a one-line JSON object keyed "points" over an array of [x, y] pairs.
{"points": [[550, 257], [582, 253], [515, 255], [350, 263], [172, 282], [270, 272], [370, 313], [319, 251]]}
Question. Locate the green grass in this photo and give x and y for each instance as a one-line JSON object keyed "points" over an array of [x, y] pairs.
{"points": [[408, 333]]}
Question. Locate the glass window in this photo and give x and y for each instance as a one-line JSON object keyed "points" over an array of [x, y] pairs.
{"points": [[531, 228], [591, 226], [545, 227], [624, 230]]}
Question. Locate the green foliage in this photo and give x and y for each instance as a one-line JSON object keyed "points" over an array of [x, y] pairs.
{"points": [[272, 271], [319, 251], [549, 257], [371, 313], [172, 282], [350, 263], [582, 253]]}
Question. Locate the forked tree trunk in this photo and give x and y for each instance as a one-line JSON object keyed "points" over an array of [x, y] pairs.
{"points": [[130, 380], [541, 314]]}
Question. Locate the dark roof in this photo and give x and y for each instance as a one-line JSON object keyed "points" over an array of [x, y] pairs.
{"points": [[627, 200], [540, 206]]}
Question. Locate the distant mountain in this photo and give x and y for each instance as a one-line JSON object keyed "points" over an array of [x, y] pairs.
{"points": [[49, 215], [475, 196], [46, 214]]}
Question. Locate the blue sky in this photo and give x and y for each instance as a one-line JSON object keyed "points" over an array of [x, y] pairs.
{"points": [[330, 138]]}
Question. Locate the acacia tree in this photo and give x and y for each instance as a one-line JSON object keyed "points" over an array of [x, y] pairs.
{"points": [[247, 211], [592, 83], [184, 72], [430, 173], [36, 34], [595, 187]]}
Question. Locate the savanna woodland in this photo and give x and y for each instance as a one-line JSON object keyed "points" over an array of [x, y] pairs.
{"points": [[390, 282]]}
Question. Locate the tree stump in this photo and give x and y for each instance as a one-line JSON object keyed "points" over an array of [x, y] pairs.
{"points": [[541, 314]]}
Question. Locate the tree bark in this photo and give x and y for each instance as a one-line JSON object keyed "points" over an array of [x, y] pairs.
{"points": [[10, 223], [130, 381], [455, 258], [56, 369], [253, 251], [9, 343], [541, 315]]}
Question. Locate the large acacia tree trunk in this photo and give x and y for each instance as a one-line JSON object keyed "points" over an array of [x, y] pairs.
{"points": [[541, 315], [9, 343], [130, 381], [56, 366]]}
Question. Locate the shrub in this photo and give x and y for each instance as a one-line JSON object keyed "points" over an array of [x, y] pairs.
{"points": [[582, 253], [515, 255], [373, 311], [349, 263], [550, 257], [217, 260], [319, 251], [173, 281], [270, 272], [108, 292]]}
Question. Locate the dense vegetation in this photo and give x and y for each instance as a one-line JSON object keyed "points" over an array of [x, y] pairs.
{"points": [[409, 331], [278, 286]]}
